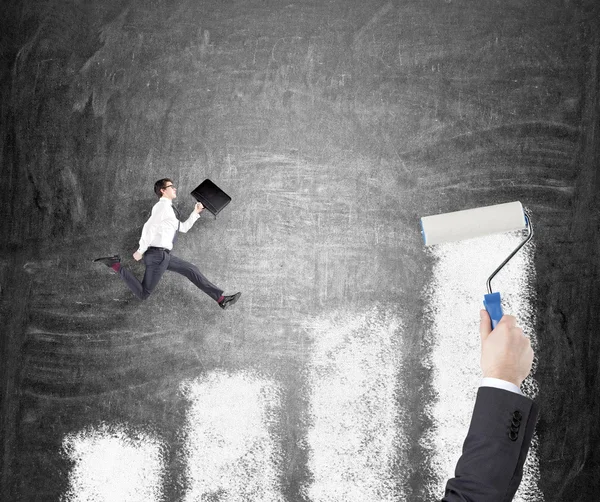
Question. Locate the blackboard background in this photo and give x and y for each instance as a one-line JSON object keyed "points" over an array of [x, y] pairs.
{"points": [[333, 125]]}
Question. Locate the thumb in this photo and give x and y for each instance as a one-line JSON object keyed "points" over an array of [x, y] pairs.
{"points": [[485, 324]]}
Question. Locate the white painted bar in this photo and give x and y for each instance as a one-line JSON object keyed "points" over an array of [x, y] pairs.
{"points": [[230, 452], [114, 462], [353, 437], [455, 298]]}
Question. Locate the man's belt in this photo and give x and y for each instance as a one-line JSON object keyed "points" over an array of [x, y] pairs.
{"points": [[160, 249]]}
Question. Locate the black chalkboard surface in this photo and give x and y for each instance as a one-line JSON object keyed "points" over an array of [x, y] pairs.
{"points": [[211, 196]]}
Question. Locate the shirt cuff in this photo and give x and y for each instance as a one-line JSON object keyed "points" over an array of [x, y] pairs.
{"points": [[500, 384]]}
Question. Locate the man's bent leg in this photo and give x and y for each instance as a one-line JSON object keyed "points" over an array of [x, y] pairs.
{"points": [[191, 271], [132, 282], [156, 262]]}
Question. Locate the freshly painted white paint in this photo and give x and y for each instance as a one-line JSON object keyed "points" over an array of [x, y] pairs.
{"points": [[455, 297], [114, 462], [230, 450], [353, 438]]}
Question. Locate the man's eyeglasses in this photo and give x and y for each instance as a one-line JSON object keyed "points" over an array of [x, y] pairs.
{"points": [[170, 186]]}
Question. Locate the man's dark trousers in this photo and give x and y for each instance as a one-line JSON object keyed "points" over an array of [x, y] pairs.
{"points": [[157, 261]]}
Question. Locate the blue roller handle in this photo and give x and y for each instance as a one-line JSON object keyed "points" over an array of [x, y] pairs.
{"points": [[493, 305]]}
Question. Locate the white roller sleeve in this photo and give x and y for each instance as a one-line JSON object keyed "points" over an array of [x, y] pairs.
{"points": [[472, 223]]}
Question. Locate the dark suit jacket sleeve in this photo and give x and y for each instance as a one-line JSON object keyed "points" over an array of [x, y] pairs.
{"points": [[491, 465]]}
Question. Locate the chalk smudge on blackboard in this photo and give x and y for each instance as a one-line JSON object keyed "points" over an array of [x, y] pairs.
{"points": [[353, 438], [230, 451], [114, 462], [455, 296]]}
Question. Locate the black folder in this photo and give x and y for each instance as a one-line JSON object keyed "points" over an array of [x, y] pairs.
{"points": [[212, 197]]}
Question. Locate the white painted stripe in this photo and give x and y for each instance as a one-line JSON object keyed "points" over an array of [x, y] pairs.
{"points": [[230, 453], [455, 297], [353, 437], [114, 463]]}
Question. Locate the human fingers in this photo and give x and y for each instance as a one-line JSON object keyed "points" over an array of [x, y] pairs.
{"points": [[527, 357], [485, 324], [517, 331], [508, 322]]}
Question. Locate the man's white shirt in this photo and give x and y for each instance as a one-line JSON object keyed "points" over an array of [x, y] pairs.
{"points": [[500, 384], [159, 231]]}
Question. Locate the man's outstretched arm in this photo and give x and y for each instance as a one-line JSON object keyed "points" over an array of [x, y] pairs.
{"points": [[184, 226], [503, 421]]}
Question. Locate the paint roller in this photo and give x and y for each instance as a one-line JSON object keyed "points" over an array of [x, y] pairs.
{"points": [[479, 222]]}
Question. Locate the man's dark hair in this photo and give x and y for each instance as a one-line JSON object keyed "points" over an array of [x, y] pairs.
{"points": [[160, 185]]}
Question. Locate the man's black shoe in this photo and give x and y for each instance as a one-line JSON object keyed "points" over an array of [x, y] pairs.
{"points": [[227, 301], [109, 261]]}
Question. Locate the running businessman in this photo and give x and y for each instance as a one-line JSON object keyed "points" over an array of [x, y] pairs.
{"points": [[155, 248]]}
